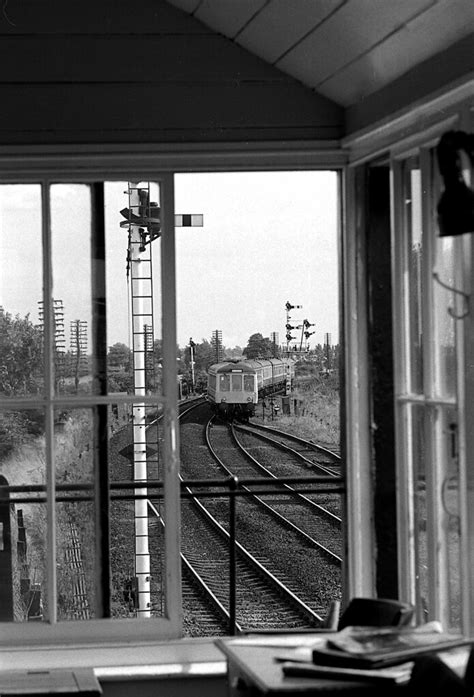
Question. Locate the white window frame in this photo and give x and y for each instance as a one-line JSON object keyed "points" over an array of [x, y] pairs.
{"points": [[101, 164], [438, 592], [411, 132], [94, 630], [432, 403]]}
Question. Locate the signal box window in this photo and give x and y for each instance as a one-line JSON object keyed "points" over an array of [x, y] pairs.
{"points": [[66, 375]]}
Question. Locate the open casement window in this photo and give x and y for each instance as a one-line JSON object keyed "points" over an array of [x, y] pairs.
{"points": [[432, 316], [88, 433]]}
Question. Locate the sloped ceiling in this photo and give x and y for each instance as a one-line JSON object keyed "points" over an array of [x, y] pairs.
{"points": [[345, 50]]}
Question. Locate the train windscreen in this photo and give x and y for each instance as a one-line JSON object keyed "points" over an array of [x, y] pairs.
{"points": [[224, 383], [236, 383], [249, 383]]}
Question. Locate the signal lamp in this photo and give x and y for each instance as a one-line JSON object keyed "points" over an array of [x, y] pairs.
{"points": [[456, 204]]}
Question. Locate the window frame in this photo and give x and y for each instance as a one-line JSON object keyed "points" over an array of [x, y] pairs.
{"points": [[428, 399], [410, 131], [55, 165], [106, 629]]}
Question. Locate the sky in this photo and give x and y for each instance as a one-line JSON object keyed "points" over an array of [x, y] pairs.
{"points": [[267, 238]]}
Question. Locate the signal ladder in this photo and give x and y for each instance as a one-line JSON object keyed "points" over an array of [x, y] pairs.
{"points": [[143, 222]]}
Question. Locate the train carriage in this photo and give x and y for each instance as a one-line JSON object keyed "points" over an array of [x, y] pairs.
{"points": [[234, 388]]}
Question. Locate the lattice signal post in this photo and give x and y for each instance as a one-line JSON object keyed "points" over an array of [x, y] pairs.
{"points": [[143, 222], [58, 337], [78, 347], [275, 339], [216, 343]]}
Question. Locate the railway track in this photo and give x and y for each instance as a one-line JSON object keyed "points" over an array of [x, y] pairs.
{"points": [[274, 577], [315, 455], [285, 548], [298, 512], [306, 458]]}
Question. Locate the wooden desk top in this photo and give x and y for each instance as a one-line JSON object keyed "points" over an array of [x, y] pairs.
{"points": [[257, 663]]}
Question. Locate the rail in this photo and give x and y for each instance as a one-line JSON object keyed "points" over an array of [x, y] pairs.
{"points": [[231, 488]]}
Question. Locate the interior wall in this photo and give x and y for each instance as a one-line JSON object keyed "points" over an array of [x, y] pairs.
{"points": [[146, 72], [443, 71]]}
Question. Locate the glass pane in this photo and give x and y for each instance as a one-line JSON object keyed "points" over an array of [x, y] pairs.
{"points": [[75, 519], [446, 276], [417, 454], [263, 268], [444, 328], [437, 541], [21, 291], [72, 307], [249, 383], [136, 524], [133, 232], [22, 516], [414, 251], [449, 529], [224, 383], [236, 383], [133, 279]]}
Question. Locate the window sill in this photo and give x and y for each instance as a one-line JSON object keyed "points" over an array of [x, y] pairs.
{"points": [[180, 658]]}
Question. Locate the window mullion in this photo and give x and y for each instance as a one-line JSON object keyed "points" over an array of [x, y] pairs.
{"points": [[170, 420], [403, 415], [49, 403], [438, 596], [465, 356], [99, 339]]}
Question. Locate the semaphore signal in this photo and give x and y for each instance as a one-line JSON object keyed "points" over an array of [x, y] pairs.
{"points": [[143, 221]]}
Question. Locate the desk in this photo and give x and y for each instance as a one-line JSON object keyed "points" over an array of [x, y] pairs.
{"points": [[253, 672]]}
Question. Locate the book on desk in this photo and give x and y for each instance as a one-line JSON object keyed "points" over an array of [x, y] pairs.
{"points": [[368, 653], [396, 675]]}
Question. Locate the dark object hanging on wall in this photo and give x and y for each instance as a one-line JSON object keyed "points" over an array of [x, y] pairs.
{"points": [[456, 204]]}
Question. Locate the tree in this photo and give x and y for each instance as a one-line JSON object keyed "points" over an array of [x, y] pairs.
{"points": [[234, 353], [21, 361], [204, 356], [21, 354], [258, 347], [119, 356]]}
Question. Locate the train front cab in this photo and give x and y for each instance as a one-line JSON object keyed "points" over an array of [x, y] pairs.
{"points": [[233, 390]]}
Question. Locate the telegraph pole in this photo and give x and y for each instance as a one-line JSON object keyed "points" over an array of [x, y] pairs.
{"points": [[191, 361], [78, 347], [216, 343]]}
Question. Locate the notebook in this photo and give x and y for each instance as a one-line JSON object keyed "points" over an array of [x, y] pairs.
{"points": [[369, 647]]}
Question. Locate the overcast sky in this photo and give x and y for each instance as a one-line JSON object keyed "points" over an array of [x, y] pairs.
{"points": [[267, 238]]}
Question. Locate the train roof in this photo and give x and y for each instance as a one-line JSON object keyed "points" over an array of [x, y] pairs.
{"points": [[244, 366], [229, 366]]}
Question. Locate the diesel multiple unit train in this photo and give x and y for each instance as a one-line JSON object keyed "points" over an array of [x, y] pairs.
{"points": [[234, 388]]}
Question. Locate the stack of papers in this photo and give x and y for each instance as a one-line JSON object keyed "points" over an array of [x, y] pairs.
{"points": [[368, 653], [398, 675], [369, 647]]}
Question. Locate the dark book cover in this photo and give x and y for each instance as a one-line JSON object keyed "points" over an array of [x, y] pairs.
{"points": [[368, 647]]}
